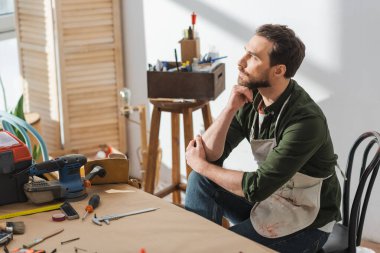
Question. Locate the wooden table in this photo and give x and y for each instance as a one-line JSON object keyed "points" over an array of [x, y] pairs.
{"points": [[168, 229]]}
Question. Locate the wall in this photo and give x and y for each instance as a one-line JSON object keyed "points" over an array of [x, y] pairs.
{"points": [[9, 72], [135, 73], [339, 72]]}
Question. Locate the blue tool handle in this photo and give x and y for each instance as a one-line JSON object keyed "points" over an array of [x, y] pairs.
{"points": [[74, 161]]}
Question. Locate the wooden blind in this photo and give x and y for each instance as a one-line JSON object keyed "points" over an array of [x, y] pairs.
{"points": [[90, 67], [37, 65]]}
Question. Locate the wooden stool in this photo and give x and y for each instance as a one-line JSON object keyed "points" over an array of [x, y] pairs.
{"points": [[175, 108]]}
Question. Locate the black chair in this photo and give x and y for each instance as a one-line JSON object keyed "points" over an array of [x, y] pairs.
{"points": [[347, 236]]}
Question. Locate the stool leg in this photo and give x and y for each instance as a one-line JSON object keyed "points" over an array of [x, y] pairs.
{"points": [[150, 173], [189, 132], [206, 113], [176, 173]]}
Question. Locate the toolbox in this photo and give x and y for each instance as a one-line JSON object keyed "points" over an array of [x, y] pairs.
{"points": [[187, 85], [15, 159]]}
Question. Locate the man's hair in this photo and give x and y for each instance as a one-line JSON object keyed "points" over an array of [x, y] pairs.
{"points": [[288, 49]]}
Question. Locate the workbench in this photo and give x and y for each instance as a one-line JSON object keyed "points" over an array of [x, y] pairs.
{"points": [[168, 229]]}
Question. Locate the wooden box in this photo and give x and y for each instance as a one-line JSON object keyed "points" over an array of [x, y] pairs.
{"points": [[187, 85]]}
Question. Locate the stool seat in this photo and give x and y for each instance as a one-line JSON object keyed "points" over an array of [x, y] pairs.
{"points": [[178, 107], [175, 108]]}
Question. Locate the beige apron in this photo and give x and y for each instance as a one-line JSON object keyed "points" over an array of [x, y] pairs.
{"points": [[293, 206]]}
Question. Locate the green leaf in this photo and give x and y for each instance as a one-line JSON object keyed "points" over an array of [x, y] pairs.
{"points": [[19, 109], [36, 152]]}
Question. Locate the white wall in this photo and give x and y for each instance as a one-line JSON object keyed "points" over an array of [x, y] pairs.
{"points": [[339, 72], [135, 73]]}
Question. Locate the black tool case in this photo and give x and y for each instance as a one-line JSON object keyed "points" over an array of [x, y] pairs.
{"points": [[15, 159]]}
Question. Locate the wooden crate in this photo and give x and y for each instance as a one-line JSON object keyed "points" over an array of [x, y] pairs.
{"points": [[187, 85]]}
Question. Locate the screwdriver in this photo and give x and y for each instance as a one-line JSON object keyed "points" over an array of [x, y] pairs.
{"points": [[92, 204]]}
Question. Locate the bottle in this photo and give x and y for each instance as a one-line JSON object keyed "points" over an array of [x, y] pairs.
{"points": [[195, 65]]}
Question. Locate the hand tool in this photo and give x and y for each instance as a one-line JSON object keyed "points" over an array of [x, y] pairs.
{"points": [[41, 239], [193, 21], [31, 211], [5, 238], [71, 240], [13, 227], [70, 184], [176, 59], [106, 219], [69, 211], [92, 204]]}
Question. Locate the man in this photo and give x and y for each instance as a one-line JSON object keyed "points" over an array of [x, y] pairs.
{"points": [[291, 202]]}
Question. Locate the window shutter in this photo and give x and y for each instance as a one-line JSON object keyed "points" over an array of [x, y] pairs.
{"points": [[88, 48]]}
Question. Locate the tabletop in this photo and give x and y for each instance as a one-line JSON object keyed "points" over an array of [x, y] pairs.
{"points": [[168, 229]]}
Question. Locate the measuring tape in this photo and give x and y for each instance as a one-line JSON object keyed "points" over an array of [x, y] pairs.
{"points": [[31, 211]]}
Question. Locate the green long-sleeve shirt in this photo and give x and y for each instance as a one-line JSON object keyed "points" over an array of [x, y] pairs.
{"points": [[303, 145]]}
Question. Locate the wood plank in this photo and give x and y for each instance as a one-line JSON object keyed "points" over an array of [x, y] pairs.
{"points": [[40, 20], [90, 78], [29, 46], [85, 90], [78, 103], [91, 67], [89, 35], [94, 129], [69, 2], [33, 12], [88, 124], [91, 54], [98, 111], [93, 23], [152, 153], [33, 37], [89, 74], [88, 61], [88, 48], [119, 69], [35, 25], [33, 42], [71, 87], [32, 29], [87, 30], [86, 5], [30, 6], [176, 157], [189, 132], [99, 40], [87, 18], [88, 12]]}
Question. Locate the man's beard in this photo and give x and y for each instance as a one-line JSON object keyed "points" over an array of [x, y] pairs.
{"points": [[254, 84]]}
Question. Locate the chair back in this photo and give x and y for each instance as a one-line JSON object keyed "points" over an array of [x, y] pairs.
{"points": [[12, 123], [354, 219]]}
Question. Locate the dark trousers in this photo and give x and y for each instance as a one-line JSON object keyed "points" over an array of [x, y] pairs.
{"points": [[213, 202]]}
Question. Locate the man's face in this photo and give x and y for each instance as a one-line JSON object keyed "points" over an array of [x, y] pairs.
{"points": [[254, 66]]}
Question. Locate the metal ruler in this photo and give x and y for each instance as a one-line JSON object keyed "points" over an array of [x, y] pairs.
{"points": [[31, 211]]}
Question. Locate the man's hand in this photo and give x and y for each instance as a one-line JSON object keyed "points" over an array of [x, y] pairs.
{"points": [[195, 155], [239, 96]]}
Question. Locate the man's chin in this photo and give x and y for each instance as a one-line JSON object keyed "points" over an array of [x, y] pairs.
{"points": [[256, 85], [241, 82], [253, 85]]}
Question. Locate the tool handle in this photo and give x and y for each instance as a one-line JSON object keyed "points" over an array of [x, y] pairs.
{"points": [[93, 203], [39, 240]]}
